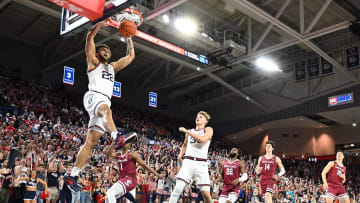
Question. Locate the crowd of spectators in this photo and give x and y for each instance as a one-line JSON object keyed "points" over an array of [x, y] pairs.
{"points": [[48, 126]]}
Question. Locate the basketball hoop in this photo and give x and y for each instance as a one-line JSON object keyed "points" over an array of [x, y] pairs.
{"points": [[126, 14]]}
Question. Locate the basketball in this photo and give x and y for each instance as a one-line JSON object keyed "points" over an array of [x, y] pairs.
{"points": [[127, 29]]}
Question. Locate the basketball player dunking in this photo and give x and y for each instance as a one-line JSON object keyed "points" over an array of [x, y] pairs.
{"points": [[127, 169], [333, 185], [97, 100], [194, 166], [230, 172], [266, 168]]}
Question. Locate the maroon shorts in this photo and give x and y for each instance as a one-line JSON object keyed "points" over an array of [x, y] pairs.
{"points": [[267, 186], [336, 191], [227, 189], [128, 183]]}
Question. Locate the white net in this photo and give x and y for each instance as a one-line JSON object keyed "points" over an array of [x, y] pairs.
{"points": [[128, 14]]}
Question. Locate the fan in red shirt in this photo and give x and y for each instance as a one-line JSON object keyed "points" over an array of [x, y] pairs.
{"points": [[10, 128], [335, 171], [266, 168], [231, 170]]}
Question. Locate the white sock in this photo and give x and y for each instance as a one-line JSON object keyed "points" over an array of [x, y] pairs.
{"points": [[115, 191], [114, 134], [179, 188], [75, 171]]}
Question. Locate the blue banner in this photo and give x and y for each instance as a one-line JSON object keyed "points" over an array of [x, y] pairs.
{"points": [[68, 77], [152, 99], [117, 89]]}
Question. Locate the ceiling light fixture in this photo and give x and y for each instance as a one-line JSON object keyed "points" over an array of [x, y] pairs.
{"points": [[354, 123], [267, 64], [166, 18], [185, 25], [204, 34]]}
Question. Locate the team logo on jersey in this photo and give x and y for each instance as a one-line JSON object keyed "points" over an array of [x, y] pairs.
{"points": [[128, 182], [90, 99]]}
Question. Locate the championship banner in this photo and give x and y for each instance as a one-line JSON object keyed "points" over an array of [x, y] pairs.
{"points": [[300, 71], [326, 67], [117, 89], [68, 77], [352, 57], [313, 67], [153, 99]]}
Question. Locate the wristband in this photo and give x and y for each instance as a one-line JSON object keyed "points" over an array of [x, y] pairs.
{"points": [[243, 178]]}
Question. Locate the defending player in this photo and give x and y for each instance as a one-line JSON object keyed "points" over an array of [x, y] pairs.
{"points": [[333, 185], [194, 166], [230, 173], [127, 168], [97, 100], [266, 168]]}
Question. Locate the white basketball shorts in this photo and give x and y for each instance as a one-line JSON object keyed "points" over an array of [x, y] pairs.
{"points": [[92, 102], [196, 170]]}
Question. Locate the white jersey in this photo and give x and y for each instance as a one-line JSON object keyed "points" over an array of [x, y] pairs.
{"points": [[101, 79], [195, 149]]}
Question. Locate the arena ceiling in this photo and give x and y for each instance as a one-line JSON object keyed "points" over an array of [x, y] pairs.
{"points": [[281, 29]]}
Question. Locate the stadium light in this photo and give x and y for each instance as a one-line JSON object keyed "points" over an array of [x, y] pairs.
{"points": [[204, 34], [267, 64], [185, 25], [166, 18]]}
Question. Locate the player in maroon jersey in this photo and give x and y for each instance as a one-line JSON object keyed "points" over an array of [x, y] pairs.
{"points": [[266, 168], [333, 185], [231, 170], [127, 168]]}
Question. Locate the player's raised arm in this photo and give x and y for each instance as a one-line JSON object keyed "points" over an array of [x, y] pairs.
{"points": [[138, 160], [208, 134], [325, 172], [126, 60], [90, 49]]}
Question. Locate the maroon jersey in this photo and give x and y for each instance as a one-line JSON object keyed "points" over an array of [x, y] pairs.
{"points": [[335, 171], [231, 171], [269, 167], [127, 166]]}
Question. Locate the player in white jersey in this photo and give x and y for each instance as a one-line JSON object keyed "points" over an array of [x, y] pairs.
{"points": [[97, 100], [194, 166]]}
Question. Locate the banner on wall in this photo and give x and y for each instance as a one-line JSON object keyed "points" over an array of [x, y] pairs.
{"points": [[300, 71], [117, 89], [153, 99], [68, 77], [352, 57], [313, 67], [326, 67]]}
